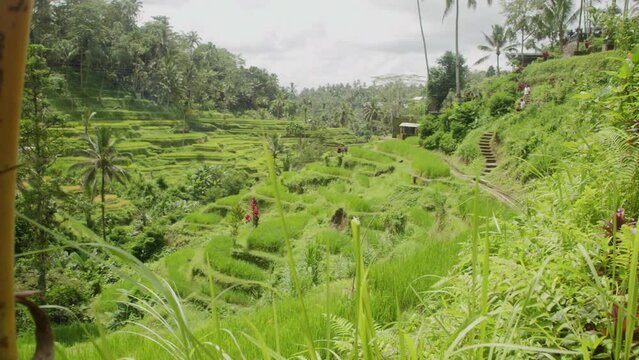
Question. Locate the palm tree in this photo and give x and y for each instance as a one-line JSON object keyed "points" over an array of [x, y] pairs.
{"points": [[86, 121], [275, 145], [372, 112], [306, 106], [345, 114], [498, 41], [449, 5], [421, 27], [555, 17], [278, 105], [102, 162]]}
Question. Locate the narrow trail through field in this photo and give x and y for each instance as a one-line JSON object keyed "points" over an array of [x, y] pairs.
{"points": [[486, 147], [486, 186]]}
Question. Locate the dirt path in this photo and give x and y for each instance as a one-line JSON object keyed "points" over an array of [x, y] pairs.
{"points": [[486, 186]]}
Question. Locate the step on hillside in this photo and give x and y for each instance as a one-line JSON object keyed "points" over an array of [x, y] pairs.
{"points": [[486, 148]]}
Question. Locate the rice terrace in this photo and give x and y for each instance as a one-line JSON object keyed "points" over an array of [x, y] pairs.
{"points": [[348, 179]]}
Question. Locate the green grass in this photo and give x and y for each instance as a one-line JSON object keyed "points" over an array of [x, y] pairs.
{"points": [[370, 155], [350, 202], [421, 217], [424, 162], [403, 278], [329, 170], [268, 236], [219, 250], [179, 267], [210, 218], [338, 242]]}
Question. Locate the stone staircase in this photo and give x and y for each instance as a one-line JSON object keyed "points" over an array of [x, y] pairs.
{"points": [[486, 146]]}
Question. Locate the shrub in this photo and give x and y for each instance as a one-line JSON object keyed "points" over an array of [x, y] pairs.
{"points": [[447, 144], [395, 222], [210, 182], [432, 141], [68, 291], [149, 243], [464, 113], [500, 104], [428, 127]]}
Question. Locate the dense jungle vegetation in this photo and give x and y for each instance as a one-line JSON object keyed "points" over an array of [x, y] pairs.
{"points": [[173, 203]]}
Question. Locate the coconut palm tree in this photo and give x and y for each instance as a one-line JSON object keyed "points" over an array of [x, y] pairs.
{"points": [[421, 27], [497, 42], [345, 113], [275, 145], [306, 106], [101, 167], [372, 112], [86, 121], [554, 18], [449, 5]]}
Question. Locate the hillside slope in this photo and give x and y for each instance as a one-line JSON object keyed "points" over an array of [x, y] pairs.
{"points": [[547, 282]]}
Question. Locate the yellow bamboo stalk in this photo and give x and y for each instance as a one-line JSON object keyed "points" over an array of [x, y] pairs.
{"points": [[15, 19]]}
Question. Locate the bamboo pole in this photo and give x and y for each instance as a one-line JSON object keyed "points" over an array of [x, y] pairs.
{"points": [[15, 18]]}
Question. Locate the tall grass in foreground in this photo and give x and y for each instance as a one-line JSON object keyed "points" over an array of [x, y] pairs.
{"points": [[159, 302], [289, 254], [364, 328]]}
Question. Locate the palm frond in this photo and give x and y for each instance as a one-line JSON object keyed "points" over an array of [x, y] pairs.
{"points": [[481, 60], [449, 5]]}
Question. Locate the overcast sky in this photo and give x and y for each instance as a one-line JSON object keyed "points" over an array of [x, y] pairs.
{"points": [[317, 42]]}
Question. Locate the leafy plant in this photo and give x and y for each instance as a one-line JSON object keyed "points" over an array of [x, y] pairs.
{"points": [[500, 104]]}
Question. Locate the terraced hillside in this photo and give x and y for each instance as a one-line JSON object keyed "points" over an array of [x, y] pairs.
{"points": [[407, 229], [159, 151]]}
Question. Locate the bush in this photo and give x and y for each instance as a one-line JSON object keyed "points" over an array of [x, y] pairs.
{"points": [[432, 141], [447, 144], [210, 182], [500, 104], [395, 222], [68, 291], [149, 243]]}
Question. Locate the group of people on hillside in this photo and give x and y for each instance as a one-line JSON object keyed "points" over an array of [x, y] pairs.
{"points": [[521, 104]]}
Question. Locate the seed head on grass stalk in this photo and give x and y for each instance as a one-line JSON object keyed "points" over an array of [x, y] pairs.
{"points": [[289, 253]]}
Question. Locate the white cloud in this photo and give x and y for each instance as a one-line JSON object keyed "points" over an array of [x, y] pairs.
{"points": [[312, 43]]}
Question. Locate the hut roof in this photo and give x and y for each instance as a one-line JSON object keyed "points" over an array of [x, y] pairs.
{"points": [[409, 125]]}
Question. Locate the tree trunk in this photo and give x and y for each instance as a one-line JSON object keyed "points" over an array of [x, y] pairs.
{"points": [[457, 60], [14, 25], [497, 64], [522, 46], [581, 11], [103, 207], [421, 27], [42, 270], [81, 67]]}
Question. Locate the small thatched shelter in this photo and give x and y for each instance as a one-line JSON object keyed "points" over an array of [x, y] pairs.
{"points": [[407, 129]]}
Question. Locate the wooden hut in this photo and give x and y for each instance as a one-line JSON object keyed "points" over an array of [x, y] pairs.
{"points": [[407, 129]]}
